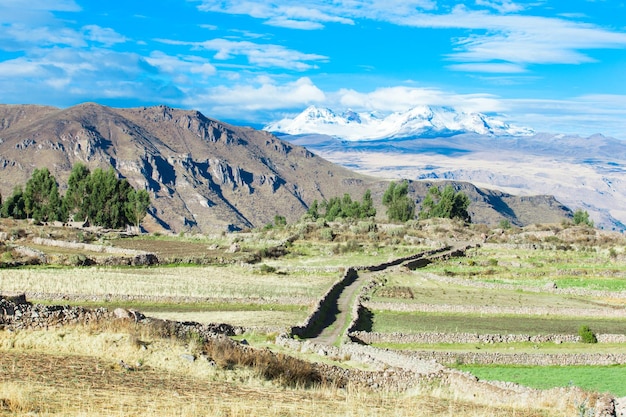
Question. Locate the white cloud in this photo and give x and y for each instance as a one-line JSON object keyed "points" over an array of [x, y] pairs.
{"points": [[105, 36], [402, 98], [511, 37], [502, 6], [262, 95], [177, 65], [262, 55], [313, 14], [17, 37], [489, 67], [520, 39]]}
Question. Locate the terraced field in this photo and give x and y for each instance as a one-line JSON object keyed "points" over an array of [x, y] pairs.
{"points": [[543, 282]]}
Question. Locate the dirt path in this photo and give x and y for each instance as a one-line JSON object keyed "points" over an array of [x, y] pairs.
{"points": [[340, 315], [336, 325]]}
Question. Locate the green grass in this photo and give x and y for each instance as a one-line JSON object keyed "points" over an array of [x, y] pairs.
{"points": [[610, 379], [572, 268], [391, 321], [434, 292]]}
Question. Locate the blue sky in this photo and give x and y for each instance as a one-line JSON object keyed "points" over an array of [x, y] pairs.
{"points": [[556, 66]]}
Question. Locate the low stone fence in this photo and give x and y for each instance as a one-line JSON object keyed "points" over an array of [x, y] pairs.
{"points": [[316, 318], [404, 260], [22, 315], [529, 359], [18, 314], [469, 338], [427, 259], [411, 307]]}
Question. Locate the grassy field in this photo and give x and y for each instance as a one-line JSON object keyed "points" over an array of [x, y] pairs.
{"points": [[393, 321], [214, 282], [76, 371], [610, 379], [234, 294], [253, 287], [426, 288], [591, 268]]}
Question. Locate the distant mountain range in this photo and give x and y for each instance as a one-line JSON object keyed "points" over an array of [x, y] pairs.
{"points": [[442, 144], [421, 121], [207, 176]]}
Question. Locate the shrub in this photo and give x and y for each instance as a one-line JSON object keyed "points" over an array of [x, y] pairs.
{"points": [[581, 218], [586, 335], [327, 234], [399, 206]]}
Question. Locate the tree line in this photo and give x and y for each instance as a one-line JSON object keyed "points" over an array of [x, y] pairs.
{"points": [[446, 203], [98, 196]]}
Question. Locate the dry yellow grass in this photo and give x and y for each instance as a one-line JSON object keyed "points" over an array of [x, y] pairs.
{"points": [[233, 282], [263, 319], [75, 372]]}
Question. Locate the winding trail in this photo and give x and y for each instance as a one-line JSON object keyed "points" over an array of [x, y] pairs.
{"points": [[339, 315]]}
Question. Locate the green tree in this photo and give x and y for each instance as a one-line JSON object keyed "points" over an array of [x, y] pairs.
{"points": [[447, 204], [399, 206], [137, 206], [313, 210], [105, 200], [14, 205], [345, 208], [582, 218], [41, 197], [367, 206], [74, 205]]}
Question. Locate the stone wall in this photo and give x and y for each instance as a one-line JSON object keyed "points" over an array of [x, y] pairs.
{"points": [[473, 338], [23, 315], [590, 311], [529, 359], [315, 320], [405, 370], [18, 314]]}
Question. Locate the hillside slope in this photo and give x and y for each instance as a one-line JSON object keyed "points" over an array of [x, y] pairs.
{"points": [[204, 175]]}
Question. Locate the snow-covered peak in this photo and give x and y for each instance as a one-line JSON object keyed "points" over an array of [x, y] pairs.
{"points": [[418, 121]]}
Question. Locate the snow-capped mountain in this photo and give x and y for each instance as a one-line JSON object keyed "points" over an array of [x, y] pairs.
{"points": [[421, 121]]}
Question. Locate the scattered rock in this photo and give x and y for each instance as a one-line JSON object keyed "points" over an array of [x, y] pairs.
{"points": [[550, 286], [188, 357], [136, 315], [121, 313], [126, 366], [234, 248]]}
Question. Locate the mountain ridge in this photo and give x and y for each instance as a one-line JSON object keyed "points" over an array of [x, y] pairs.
{"points": [[204, 175]]}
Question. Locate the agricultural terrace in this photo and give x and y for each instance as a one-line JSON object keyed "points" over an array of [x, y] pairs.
{"points": [[537, 281]]}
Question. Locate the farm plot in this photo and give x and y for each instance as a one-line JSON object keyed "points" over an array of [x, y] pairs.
{"points": [[591, 268], [210, 293], [456, 308], [79, 371]]}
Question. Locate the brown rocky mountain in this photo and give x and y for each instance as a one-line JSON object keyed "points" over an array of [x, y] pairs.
{"points": [[204, 175]]}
